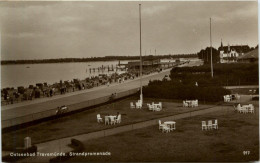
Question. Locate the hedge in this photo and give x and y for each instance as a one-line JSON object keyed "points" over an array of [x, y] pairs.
{"points": [[224, 74], [180, 91]]}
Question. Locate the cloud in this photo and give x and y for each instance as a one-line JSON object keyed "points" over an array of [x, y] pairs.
{"points": [[83, 29]]}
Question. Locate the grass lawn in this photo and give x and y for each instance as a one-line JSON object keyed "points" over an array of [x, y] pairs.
{"points": [[237, 133], [85, 122]]}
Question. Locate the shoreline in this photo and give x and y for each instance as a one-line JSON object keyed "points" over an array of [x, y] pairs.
{"points": [[96, 59]]}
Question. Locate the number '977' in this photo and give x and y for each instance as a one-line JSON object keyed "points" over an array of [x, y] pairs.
{"points": [[246, 152]]}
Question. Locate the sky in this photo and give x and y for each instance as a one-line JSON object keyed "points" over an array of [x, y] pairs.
{"points": [[45, 30]]}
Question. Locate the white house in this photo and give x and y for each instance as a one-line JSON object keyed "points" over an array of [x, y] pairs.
{"points": [[231, 53]]}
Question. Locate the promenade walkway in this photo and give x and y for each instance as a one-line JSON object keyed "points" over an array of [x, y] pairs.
{"points": [[32, 110], [31, 107]]}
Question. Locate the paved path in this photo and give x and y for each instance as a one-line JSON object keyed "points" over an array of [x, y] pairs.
{"points": [[61, 145], [10, 112]]}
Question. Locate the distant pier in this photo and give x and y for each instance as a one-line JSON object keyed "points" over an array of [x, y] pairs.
{"points": [[108, 68]]}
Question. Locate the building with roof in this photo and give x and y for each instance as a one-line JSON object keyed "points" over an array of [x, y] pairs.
{"points": [[146, 63], [250, 57], [231, 53]]}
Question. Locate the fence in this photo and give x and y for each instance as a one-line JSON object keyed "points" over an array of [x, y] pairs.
{"points": [[72, 107]]}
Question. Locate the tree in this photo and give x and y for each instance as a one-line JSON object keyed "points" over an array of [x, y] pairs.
{"points": [[205, 55]]}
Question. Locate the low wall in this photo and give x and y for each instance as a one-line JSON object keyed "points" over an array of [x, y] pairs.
{"points": [[73, 107]]}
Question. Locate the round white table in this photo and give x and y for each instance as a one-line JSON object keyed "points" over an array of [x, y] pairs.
{"points": [[111, 118], [171, 124]]}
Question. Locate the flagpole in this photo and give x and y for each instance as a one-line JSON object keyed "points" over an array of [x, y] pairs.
{"points": [[141, 93], [211, 52]]}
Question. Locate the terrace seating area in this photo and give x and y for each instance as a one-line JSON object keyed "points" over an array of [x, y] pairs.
{"points": [[151, 107], [228, 98], [167, 126], [136, 105], [191, 103], [210, 125], [155, 107], [245, 108], [110, 119]]}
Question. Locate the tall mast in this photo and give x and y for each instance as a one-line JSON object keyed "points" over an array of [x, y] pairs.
{"points": [[211, 52], [141, 95]]}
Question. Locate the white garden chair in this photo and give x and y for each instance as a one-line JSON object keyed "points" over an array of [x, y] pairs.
{"points": [[210, 124], [204, 125], [225, 99], [118, 120], [215, 125], [228, 98], [99, 119], [166, 129], [192, 104], [140, 102], [157, 108], [245, 109], [150, 107], [251, 109], [161, 125], [239, 108], [196, 103], [138, 105], [185, 104], [106, 120], [132, 106]]}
